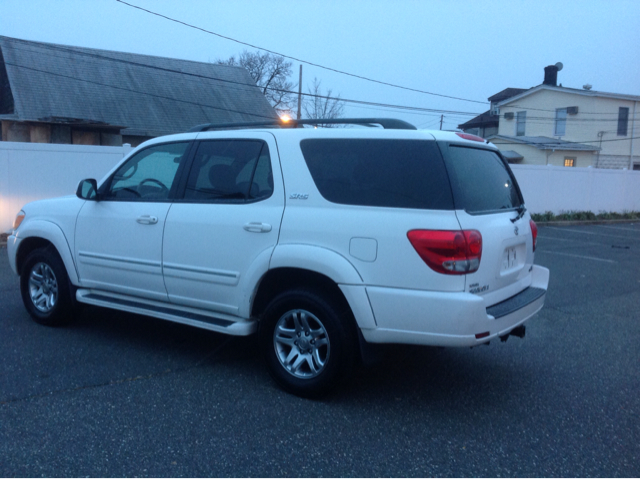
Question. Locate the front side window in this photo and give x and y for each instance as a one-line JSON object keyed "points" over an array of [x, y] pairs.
{"points": [[230, 171], [623, 121], [387, 173], [521, 120], [561, 121], [481, 181], [148, 175]]}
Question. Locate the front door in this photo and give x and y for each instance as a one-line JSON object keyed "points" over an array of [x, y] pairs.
{"points": [[118, 242]]}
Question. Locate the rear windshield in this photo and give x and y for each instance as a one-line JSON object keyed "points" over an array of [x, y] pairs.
{"points": [[387, 173], [481, 181]]}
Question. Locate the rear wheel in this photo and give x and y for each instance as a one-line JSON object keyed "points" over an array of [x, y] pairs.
{"points": [[44, 286], [308, 344]]}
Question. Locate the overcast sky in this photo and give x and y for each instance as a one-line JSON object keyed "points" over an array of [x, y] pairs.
{"points": [[464, 49]]}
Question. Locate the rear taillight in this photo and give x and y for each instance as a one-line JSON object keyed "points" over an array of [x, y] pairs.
{"points": [[534, 233], [448, 252]]}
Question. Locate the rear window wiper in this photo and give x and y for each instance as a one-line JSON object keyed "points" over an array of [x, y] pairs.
{"points": [[521, 210]]}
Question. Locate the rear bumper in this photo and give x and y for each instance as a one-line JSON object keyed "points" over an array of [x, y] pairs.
{"points": [[450, 319]]}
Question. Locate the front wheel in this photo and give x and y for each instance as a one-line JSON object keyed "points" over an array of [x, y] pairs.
{"points": [[308, 344], [44, 286]]}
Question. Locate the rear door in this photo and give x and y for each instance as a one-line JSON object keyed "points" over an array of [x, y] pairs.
{"points": [[219, 237], [487, 199]]}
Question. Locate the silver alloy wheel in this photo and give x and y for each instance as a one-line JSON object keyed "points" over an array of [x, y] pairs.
{"points": [[43, 287], [301, 343]]}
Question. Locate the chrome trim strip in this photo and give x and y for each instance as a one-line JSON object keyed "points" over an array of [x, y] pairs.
{"points": [[212, 272], [118, 259]]}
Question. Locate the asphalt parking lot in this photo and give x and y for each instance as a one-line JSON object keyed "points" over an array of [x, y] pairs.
{"points": [[116, 394]]}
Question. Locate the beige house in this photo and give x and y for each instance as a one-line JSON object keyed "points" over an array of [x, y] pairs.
{"points": [[550, 124]]}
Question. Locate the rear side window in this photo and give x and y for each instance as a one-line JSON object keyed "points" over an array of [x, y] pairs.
{"points": [[481, 181], [387, 173]]}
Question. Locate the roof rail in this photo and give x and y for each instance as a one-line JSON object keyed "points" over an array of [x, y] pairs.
{"points": [[387, 123]]}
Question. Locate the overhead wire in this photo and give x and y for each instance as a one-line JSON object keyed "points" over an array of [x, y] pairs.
{"points": [[311, 63], [140, 92], [232, 82], [403, 108], [360, 103], [361, 77]]}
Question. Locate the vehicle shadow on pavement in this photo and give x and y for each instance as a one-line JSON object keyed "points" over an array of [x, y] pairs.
{"points": [[426, 377]]}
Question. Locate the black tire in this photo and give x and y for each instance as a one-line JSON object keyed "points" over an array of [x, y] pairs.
{"points": [[45, 288], [308, 342]]}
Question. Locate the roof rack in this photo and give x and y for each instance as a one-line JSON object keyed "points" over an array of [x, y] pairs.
{"points": [[387, 123]]}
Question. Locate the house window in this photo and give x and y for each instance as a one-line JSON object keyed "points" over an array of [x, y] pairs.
{"points": [[569, 161], [561, 121], [623, 121], [521, 119]]}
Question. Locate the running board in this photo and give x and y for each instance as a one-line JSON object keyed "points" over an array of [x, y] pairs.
{"points": [[190, 316]]}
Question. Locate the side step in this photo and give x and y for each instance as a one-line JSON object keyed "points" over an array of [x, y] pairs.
{"points": [[190, 316]]}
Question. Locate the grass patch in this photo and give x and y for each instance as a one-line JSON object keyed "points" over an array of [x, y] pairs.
{"points": [[584, 216]]}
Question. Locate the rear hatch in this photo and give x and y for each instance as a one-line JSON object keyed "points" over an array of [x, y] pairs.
{"points": [[487, 199]]}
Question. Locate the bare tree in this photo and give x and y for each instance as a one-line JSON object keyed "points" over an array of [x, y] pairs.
{"points": [[271, 73], [322, 105]]}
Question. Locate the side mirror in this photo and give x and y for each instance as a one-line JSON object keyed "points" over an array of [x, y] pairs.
{"points": [[88, 190]]}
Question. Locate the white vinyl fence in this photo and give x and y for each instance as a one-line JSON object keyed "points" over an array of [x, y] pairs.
{"points": [[556, 189], [33, 171]]}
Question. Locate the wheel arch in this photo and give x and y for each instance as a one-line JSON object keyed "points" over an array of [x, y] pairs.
{"points": [[41, 234], [278, 280], [298, 265]]}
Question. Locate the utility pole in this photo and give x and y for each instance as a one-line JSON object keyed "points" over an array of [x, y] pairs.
{"points": [[441, 118], [300, 94]]}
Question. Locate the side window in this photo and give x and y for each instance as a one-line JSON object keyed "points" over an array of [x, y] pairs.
{"points": [[388, 173], [232, 171], [561, 122], [623, 121], [148, 175], [521, 122]]}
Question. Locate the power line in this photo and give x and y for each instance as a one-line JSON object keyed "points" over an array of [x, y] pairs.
{"points": [[206, 77], [553, 111], [559, 146], [360, 103], [238, 111], [404, 108], [298, 59], [140, 92]]}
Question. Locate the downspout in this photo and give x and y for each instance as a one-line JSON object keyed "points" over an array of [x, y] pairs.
{"points": [[633, 123]]}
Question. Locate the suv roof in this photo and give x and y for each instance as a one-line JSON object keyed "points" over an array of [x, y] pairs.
{"points": [[391, 128]]}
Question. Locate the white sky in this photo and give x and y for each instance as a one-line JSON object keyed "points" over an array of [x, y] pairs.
{"points": [[467, 49]]}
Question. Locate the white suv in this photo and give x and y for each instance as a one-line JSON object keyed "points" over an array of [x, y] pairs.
{"points": [[321, 240]]}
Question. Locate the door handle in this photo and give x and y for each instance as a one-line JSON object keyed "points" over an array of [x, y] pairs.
{"points": [[256, 227], [147, 220]]}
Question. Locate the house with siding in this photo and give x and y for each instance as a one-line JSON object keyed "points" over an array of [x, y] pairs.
{"points": [[486, 124], [53, 93], [554, 125]]}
